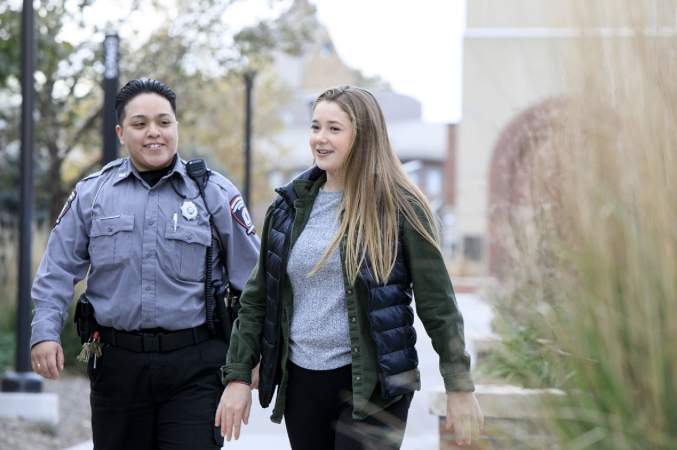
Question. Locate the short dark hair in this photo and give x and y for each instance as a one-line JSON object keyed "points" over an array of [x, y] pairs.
{"points": [[142, 86]]}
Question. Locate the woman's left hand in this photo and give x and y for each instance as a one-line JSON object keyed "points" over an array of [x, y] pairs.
{"points": [[464, 413]]}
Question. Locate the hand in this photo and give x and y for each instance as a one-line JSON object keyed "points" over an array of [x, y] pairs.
{"points": [[255, 376], [47, 359], [236, 402], [465, 414]]}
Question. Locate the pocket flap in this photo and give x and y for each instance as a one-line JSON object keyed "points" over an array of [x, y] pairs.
{"points": [[188, 234], [108, 226]]}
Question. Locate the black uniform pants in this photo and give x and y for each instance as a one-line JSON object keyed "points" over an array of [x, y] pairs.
{"points": [[318, 414], [160, 400]]}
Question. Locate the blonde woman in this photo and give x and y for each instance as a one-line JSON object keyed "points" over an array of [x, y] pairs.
{"points": [[328, 305]]}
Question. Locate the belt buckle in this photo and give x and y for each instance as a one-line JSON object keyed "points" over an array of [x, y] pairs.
{"points": [[151, 342]]}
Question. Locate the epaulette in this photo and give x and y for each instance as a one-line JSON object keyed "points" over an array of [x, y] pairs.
{"points": [[221, 181], [105, 168]]}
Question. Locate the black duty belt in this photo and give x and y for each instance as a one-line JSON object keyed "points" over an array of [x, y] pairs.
{"points": [[164, 341]]}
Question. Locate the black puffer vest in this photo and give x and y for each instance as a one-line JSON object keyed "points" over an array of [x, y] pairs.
{"points": [[392, 326], [279, 241], [390, 314]]}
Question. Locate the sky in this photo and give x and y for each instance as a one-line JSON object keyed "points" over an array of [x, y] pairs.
{"points": [[415, 45]]}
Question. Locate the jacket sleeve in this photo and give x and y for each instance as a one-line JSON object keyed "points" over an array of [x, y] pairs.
{"points": [[64, 263], [436, 305], [245, 341]]}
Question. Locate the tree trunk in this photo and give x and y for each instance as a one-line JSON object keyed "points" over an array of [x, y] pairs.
{"points": [[57, 194]]}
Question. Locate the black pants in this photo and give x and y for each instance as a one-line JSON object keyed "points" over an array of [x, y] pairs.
{"points": [[318, 414], [161, 400]]}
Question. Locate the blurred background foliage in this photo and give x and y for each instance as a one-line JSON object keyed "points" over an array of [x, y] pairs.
{"points": [[588, 300], [190, 47]]}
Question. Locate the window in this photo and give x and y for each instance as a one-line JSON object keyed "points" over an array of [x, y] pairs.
{"points": [[413, 176], [326, 50], [433, 182], [473, 248]]}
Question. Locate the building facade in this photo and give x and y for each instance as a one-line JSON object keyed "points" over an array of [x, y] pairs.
{"points": [[515, 61]]}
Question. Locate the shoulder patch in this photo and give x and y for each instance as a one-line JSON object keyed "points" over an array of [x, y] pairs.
{"points": [[241, 215], [66, 207]]}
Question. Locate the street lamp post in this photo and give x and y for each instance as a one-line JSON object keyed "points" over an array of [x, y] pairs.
{"points": [[111, 61], [249, 75], [22, 380]]}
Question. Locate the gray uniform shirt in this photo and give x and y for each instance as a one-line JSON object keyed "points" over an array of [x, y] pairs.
{"points": [[319, 335], [146, 270]]}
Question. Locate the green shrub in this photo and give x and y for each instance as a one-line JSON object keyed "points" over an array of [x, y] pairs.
{"points": [[48, 428], [7, 350]]}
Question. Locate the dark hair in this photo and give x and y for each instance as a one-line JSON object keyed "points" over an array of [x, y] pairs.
{"points": [[142, 86]]}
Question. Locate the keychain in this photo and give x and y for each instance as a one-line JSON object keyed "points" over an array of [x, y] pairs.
{"points": [[92, 347]]}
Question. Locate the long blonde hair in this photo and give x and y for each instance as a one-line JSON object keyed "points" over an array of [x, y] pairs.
{"points": [[376, 190]]}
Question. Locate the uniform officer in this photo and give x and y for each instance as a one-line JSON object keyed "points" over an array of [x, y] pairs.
{"points": [[142, 230]]}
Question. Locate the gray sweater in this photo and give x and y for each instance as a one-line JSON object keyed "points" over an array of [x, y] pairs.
{"points": [[319, 336]]}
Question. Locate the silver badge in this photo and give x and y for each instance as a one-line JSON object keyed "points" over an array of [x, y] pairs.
{"points": [[189, 210]]}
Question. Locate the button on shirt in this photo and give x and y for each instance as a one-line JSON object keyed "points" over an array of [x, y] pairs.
{"points": [[146, 269]]}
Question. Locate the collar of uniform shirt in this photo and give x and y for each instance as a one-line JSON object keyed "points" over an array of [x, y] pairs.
{"points": [[153, 176]]}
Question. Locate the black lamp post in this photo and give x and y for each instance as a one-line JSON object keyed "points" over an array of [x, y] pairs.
{"points": [[111, 61], [249, 75], [22, 380]]}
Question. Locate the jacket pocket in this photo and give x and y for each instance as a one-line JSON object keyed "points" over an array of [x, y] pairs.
{"points": [[110, 242], [186, 249]]}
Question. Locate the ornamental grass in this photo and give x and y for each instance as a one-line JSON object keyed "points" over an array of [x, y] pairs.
{"points": [[589, 302]]}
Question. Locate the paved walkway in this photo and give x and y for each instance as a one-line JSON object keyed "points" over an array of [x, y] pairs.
{"points": [[422, 427]]}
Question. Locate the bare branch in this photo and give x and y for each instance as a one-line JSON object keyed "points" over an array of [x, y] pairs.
{"points": [[88, 169], [83, 129]]}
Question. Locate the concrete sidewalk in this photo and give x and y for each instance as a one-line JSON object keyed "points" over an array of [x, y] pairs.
{"points": [[422, 427]]}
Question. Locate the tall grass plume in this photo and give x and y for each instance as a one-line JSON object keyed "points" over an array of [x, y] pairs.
{"points": [[590, 303]]}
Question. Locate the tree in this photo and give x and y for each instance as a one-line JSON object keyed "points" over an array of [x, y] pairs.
{"points": [[192, 49], [60, 125]]}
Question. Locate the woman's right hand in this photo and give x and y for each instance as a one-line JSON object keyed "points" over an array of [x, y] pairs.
{"points": [[236, 402], [255, 376]]}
